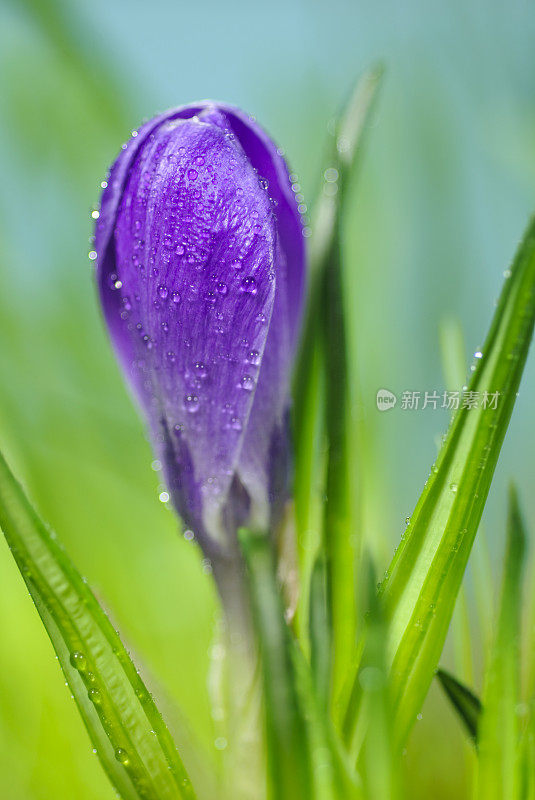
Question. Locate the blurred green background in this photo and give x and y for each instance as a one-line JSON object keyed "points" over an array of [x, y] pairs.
{"points": [[446, 188]]}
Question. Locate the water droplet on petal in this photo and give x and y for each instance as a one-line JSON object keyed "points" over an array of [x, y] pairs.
{"points": [[191, 403], [253, 357], [248, 285], [200, 370]]}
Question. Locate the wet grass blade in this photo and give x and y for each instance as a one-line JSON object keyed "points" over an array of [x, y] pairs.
{"points": [[322, 371], [305, 758], [124, 725], [378, 763], [464, 701], [498, 774], [425, 575], [287, 746]]}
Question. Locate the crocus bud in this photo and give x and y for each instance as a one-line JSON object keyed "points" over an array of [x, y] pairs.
{"points": [[200, 268]]}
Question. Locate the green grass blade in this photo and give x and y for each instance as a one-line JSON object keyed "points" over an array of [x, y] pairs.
{"points": [[426, 572], [286, 735], [306, 759], [454, 369], [325, 344], [498, 774], [319, 632], [464, 701], [124, 725], [378, 763]]}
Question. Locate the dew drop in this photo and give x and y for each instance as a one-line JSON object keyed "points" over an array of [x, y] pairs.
{"points": [[200, 370], [163, 497], [248, 285], [163, 291], [189, 536], [191, 403], [330, 175], [192, 174], [453, 487], [176, 297], [253, 357], [199, 161], [222, 288], [78, 661], [94, 696], [247, 383], [122, 756]]}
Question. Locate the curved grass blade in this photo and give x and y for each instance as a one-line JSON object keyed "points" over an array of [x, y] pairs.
{"points": [[322, 372], [426, 572], [464, 701], [124, 725], [498, 773]]}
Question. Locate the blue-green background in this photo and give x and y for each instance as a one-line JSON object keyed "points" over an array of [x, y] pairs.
{"points": [[446, 188]]}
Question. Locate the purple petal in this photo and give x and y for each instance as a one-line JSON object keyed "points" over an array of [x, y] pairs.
{"points": [[201, 281]]}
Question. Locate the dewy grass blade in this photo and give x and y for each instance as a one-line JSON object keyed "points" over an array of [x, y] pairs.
{"points": [[498, 774], [378, 762], [305, 758], [464, 701], [426, 572], [454, 369], [288, 748], [124, 725], [324, 344]]}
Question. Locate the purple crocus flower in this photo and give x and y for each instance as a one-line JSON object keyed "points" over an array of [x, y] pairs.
{"points": [[200, 267]]}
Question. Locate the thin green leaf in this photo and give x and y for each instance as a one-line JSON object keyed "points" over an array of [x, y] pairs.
{"points": [[378, 762], [124, 725], [454, 369], [426, 572], [319, 632], [464, 701], [498, 774], [287, 746], [305, 757], [322, 371]]}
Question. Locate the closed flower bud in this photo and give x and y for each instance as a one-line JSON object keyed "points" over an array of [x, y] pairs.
{"points": [[200, 268]]}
